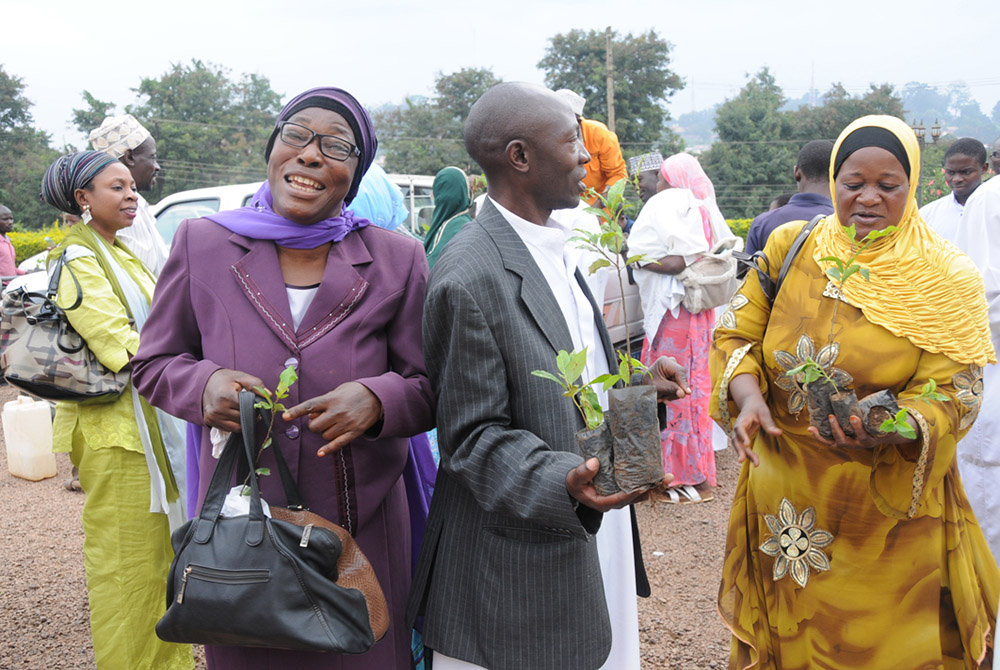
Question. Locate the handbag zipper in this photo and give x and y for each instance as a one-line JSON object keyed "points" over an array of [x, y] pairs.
{"points": [[221, 576]]}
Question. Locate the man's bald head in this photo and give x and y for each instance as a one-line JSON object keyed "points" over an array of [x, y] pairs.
{"points": [[527, 140], [507, 112]]}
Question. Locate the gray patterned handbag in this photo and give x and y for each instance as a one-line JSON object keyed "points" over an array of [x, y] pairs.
{"points": [[41, 353]]}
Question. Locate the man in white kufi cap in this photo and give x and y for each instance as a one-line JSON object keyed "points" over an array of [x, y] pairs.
{"points": [[124, 138]]}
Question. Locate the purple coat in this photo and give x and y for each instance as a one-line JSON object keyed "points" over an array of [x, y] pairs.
{"points": [[220, 302]]}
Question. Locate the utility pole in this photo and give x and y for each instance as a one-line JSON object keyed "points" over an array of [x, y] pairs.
{"points": [[611, 79]]}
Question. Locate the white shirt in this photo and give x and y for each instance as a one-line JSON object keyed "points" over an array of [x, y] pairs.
{"points": [[558, 262], [144, 240], [577, 219], [943, 215]]}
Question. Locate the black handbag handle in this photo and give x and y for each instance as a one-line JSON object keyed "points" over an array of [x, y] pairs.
{"points": [[753, 261], [218, 488], [293, 499], [53, 288]]}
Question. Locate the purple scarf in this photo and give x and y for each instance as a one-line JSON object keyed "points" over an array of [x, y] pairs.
{"points": [[259, 221]]}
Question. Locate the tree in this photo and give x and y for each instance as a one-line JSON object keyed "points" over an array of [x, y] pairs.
{"points": [[423, 135], [209, 129], [643, 80], [752, 160], [25, 155], [86, 120], [839, 109]]}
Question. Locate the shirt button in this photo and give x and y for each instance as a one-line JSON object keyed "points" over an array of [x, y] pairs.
{"points": [[292, 361], [292, 432]]}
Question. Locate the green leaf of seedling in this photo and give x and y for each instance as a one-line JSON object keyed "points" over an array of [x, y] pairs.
{"points": [[797, 369], [263, 472], [617, 190], [834, 274], [888, 426], [851, 231], [607, 380], [267, 443], [929, 387], [577, 362], [638, 258], [623, 372], [906, 430], [288, 377], [876, 234], [562, 361], [865, 272], [596, 211], [598, 264], [851, 269], [262, 391], [278, 408], [262, 404], [811, 374], [544, 374], [591, 408], [608, 238], [245, 490]]}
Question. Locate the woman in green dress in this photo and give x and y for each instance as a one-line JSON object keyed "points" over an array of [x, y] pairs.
{"points": [[132, 496]]}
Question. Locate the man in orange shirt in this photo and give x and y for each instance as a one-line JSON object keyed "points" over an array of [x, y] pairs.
{"points": [[606, 164]]}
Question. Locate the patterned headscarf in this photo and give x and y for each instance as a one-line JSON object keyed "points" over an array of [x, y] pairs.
{"points": [[920, 287], [340, 101], [118, 134], [70, 172], [651, 161]]}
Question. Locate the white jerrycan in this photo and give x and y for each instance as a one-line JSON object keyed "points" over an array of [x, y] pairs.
{"points": [[27, 433]]}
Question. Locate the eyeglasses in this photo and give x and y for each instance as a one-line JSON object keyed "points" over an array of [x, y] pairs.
{"points": [[330, 146]]}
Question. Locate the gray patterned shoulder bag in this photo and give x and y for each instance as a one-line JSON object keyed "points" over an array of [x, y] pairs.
{"points": [[41, 353]]}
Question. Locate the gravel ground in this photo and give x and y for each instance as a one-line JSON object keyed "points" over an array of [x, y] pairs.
{"points": [[44, 621]]}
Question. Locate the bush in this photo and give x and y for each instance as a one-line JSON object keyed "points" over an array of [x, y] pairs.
{"points": [[740, 227], [27, 243]]}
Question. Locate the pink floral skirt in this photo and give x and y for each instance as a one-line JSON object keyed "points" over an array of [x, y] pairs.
{"points": [[687, 440]]}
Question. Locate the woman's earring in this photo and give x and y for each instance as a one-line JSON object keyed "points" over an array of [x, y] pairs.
{"points": [[86, 216]]}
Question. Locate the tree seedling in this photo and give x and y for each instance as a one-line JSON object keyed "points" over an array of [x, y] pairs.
{"points": [[610, 245], [272, 403], [571, 366]]}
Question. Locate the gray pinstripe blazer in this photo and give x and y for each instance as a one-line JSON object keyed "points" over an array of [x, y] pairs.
{"points": [[508, 575]]}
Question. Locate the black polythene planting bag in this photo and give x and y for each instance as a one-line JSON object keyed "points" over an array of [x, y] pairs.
{"points": [[254, 581]]}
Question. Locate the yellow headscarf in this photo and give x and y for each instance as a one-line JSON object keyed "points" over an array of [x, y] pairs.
{"points": [[921, 286]]}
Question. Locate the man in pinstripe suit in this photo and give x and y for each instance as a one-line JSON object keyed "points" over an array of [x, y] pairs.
{"points": [[509, 575]]}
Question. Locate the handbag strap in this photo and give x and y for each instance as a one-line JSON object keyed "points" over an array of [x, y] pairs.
{"points": [[219, 486], [53, 287], [769, 286], [293, 499]]}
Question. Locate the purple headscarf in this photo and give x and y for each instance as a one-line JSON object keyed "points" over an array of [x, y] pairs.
{"points": [[259, 221]]}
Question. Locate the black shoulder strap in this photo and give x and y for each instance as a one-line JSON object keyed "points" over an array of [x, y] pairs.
{"points": [[761, 264], [793, 252]]}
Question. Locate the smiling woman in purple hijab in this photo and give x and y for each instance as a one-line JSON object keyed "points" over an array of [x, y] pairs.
{"points": [[296, 279]]}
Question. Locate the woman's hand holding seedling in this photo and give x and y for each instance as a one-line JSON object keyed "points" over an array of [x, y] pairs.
{"points": [[220, 401]]}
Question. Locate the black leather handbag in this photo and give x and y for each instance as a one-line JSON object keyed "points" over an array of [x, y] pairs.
{"points": [[294, 581]]}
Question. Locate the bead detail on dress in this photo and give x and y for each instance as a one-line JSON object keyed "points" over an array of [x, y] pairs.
{"points": [[796, 543]]}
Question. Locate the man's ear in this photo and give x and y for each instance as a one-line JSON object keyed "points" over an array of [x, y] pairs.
{"points": [[797, 173], [128, 158], [517, 155]]}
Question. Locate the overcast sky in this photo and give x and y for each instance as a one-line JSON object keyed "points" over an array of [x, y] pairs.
{"points": [[384, 51]]}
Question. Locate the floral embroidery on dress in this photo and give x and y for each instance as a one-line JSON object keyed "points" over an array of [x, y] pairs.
{"points": [[728, 318], [796, 543], [805, 350], [970, 393]]}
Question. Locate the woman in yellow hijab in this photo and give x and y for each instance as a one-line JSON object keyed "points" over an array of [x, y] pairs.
{"points": [[857, 552]]}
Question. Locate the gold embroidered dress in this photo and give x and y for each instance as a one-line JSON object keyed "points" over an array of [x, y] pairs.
{"points": [[848, 558]]}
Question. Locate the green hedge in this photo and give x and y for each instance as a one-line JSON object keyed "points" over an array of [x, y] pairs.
{"points": [[740, 226], [27, 243]]}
